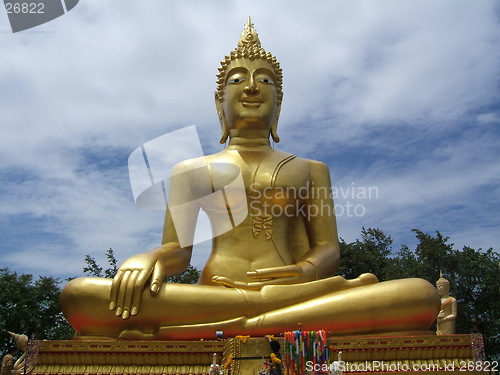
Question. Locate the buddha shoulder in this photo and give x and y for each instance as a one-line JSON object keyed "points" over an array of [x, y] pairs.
{"points": [[313, 168], [189, 165]]}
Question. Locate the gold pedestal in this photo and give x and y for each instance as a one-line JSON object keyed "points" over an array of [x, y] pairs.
{"points": [[427, 354], [366, 355], [126, 357], [422, 354]]}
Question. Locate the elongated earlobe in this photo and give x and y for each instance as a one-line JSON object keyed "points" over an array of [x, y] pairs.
{"points": [[274, 133], [225, 130], [222, 120], [274, 126]]}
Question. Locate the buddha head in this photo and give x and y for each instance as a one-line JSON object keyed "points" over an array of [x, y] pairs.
{"points": [[249, 88], [443, 286]]}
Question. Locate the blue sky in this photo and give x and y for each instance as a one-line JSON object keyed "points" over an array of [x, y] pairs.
{"points": [[397, 95]]}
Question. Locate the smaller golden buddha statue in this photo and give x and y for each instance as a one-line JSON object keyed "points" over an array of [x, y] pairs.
{"points": [[448, 313], [8, 363]]}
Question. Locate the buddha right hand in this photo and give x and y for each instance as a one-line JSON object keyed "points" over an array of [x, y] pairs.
{"points": [[130, 280]]}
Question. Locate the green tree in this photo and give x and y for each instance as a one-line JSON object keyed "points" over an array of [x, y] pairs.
{"points": [[431, 256], [476, 287], [31, 307], [370, 254], [93, 269], [403, 265], [434, 255], [190, 276]]}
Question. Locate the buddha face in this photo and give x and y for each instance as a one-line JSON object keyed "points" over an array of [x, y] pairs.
{"points": [[443, 288], [250, 100]]}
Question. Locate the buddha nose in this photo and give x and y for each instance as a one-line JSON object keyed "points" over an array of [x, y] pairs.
{"points": [[251, 88]]}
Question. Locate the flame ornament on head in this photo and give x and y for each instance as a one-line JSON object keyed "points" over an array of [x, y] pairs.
{"points": [[249, 47], [249, 35]]}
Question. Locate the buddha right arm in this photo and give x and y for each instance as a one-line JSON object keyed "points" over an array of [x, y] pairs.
{"points": [[171, 258], [130, 281]]}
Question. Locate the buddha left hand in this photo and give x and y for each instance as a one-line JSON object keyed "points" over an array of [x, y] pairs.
{"points": [[301, 272]]}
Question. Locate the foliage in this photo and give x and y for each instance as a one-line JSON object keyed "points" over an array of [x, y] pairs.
{"points": [[31, 307], [190, 276], [477, 287], [93, 269], [371, 254], [473, 275]]}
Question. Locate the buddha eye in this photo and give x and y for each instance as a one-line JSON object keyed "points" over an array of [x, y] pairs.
{"points": [[235, 80], [265, 80]]}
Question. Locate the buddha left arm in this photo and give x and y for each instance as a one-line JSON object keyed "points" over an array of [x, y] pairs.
{"points": [[321, 226], [322, 258]]}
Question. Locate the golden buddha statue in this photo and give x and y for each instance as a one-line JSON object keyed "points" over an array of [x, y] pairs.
{"points": [[270, 272], [448, 314]]}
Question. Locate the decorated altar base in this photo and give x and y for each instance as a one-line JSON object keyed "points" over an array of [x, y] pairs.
{"points": [[360, 355], [127, 357], [376, 355], [421, 354]]}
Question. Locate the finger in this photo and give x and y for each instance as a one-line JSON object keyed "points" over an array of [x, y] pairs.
{"points": [[121, 293], [224, 281], [130, 293], [281, 281], [238, 284], [276, 272], [138, 287], [157, 278], [115, 286]]}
